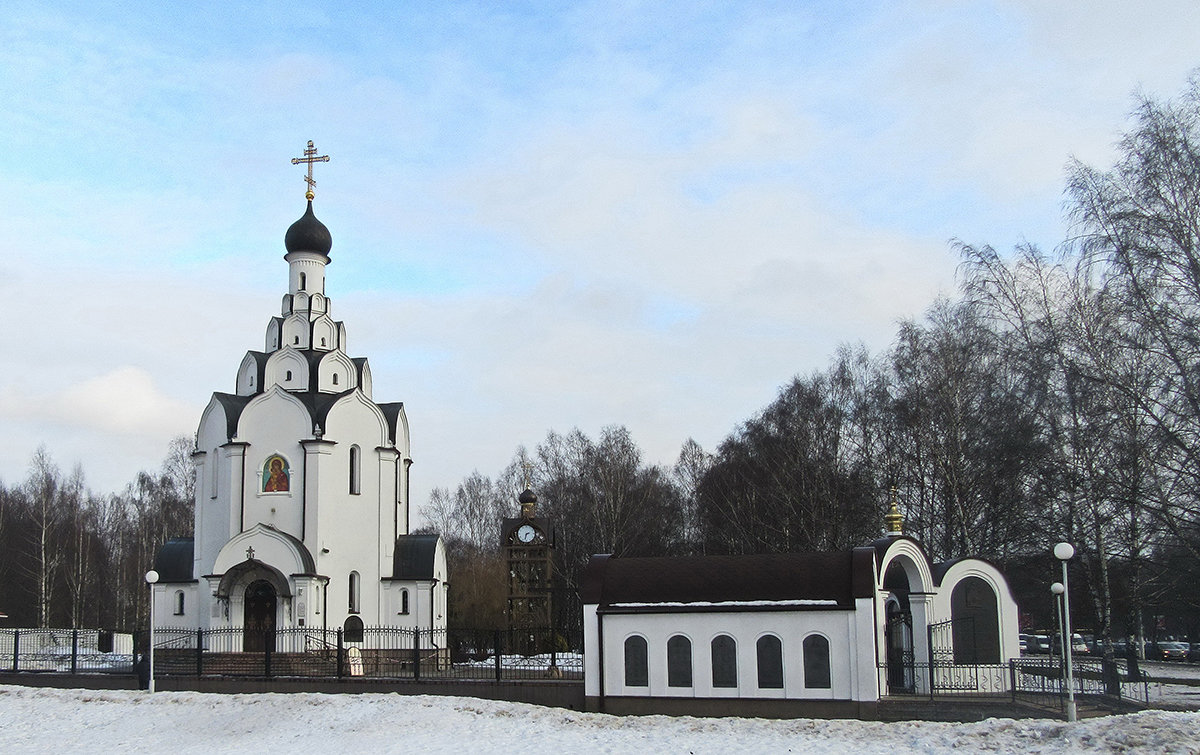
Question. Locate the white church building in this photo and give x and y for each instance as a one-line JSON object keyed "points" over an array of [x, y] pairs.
{"points": [[302, 485]]}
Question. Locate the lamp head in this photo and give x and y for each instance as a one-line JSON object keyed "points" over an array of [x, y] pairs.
{"points": [[1064, 551], [1057, 588], [151, 576]]}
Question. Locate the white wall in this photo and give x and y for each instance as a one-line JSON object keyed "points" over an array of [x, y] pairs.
{"points": [[838, 627]]}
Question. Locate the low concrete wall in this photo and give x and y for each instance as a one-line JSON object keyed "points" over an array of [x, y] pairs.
{"points": [[70, 681], [552, 694], [745, 707]]}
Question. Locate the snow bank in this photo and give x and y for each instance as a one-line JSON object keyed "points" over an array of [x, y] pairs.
{"points": [[76, 721]]}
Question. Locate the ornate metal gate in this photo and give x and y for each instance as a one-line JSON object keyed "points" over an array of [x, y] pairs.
{"points": [[950, 668], [900, 657]]}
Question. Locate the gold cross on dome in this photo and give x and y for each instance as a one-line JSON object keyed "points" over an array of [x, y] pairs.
{"points": [[310, 157]]}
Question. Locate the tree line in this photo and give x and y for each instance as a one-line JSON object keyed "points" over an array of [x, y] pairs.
{"points": [[72, 558], [1055, 397]]}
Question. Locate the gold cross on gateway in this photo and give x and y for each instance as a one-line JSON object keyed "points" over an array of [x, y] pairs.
{"points": [[310, 157]]}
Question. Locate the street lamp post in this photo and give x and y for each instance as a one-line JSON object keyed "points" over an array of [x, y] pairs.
{"points": [[151, 578], [1064, 552], [1057, 589]]}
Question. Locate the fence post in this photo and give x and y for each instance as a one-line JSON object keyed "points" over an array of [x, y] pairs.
{"points": [[268, 646], [340, 669], [16, 648], [1012, 677], [496, 654], [74, 651], [199, 653], [932, 674], [416, 655]]}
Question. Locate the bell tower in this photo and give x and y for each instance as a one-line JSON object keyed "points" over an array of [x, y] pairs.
{"points": [[528, 543]]}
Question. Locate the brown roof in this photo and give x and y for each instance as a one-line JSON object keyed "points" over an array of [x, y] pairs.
{"points": [[837, 577]]}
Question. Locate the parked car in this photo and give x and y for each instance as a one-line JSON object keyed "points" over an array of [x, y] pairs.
{"points": [[1078, 646], [1039, 644], [1169, 651], [1194, 652]]}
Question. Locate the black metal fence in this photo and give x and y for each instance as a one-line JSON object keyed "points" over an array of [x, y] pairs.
{"points": [[378, 653], [1041, 681], [1044, 680], [71, 651]]}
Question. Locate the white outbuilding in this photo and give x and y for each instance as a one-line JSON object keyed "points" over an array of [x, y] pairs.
{"points": [[810, 634]]}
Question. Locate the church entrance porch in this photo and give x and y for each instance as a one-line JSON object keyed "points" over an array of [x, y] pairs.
{"points": [[258, 625]]}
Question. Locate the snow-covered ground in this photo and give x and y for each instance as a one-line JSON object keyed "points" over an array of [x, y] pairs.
{"points": [[40, 720]]}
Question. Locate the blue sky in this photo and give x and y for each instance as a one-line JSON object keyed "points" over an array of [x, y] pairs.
{"points": [[545, 215]]}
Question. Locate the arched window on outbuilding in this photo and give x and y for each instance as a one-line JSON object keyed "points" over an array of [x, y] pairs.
{"points": [[724, 661], [637, 666], [816, 662], [179, 602], [679, 661], [770, 662]]}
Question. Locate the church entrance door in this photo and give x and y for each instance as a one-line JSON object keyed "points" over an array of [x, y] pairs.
{"points": [[258, 627]]}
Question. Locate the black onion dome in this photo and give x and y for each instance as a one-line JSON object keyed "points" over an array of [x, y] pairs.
{"points": [[527, 497], [308, 235]]}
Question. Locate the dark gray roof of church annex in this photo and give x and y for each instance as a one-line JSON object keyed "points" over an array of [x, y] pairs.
{"points": [[173, 562], [839, 576], [414, 557]]}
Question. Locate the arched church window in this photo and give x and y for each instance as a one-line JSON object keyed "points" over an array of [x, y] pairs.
{"points": [[352, 630], [354, 465], [296, 340], [679, 661], [322, 341], [724, 661], [287, 375], [212, 460], [179, 602], [770, 662], [354, 592], [816, 662], [335, 378], [404, 602], [303, 281], [637, 667]]}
